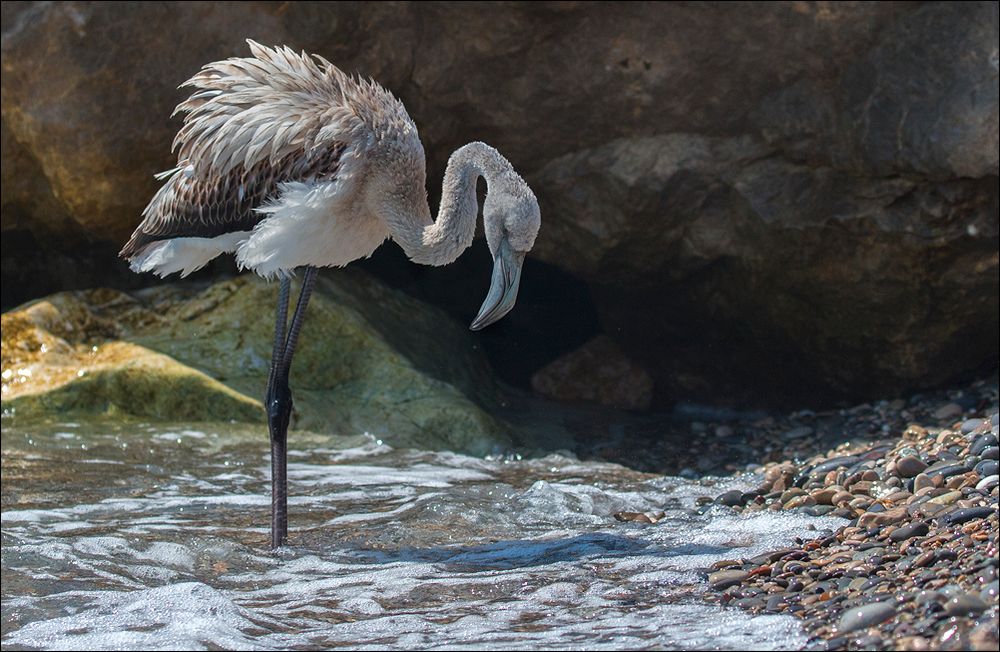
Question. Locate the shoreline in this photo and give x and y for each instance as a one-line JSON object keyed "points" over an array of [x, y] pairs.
{"points": [[916, 566]]}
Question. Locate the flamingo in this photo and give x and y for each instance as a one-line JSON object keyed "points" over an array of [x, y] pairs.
{"points": [[287, 162]]}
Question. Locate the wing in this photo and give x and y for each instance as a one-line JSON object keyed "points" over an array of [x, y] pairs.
{"points": [[252, 124]]}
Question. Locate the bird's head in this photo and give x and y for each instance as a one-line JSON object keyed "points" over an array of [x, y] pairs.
{"points": [[511, 219]]}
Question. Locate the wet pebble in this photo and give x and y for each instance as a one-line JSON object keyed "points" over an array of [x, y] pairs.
{"points": [[909, 466], [726, 578], [731, 498], [866, 616], [964, 604], [915, 529]]}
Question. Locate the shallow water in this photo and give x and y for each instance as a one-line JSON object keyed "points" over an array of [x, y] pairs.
{"points": [[152, 537]]}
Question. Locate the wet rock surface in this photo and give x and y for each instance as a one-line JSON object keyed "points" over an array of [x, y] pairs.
{"points": [[804, 192], [374, 361]]}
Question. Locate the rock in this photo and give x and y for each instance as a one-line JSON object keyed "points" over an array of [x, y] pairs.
{"points": [[797, 433], [948, 411], [866, 616], [873, 178], [598, 372], [922, 481], [724, 579], [730, 498], [909, 466], [987, 468], [964, 515], [991, 453], [971, 425], [370, 360], [964, 604], [987, 483], [915, 529]]}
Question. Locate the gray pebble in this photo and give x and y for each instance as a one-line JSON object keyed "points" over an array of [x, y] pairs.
{"points": [[964, 604], [866, 616], [986, 484], [948, 411], [915, 529], [990, 592], [731, 498], [991, 453], [970, 425], [987, 468], [798, 433], [980, 443]]}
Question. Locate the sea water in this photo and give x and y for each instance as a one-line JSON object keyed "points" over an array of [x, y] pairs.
{"points": [[134, 536]]}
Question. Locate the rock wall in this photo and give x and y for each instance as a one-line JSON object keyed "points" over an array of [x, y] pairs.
{"points": [[770, 202]]}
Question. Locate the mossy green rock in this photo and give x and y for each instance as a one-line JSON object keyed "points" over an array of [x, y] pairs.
{"points": [[370, 359]]}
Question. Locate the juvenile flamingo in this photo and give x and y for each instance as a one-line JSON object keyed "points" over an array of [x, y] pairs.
{"points": [[287, 162]]}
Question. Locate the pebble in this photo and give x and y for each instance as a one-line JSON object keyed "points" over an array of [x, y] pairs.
{"points": [[726, 578], [910, 466], [948, 411], [964, 604], [797, 433], [988, 483], [971, 425], [915, 529], [961, 516], [922, 481], [990, 453], [731, 498], [866, 616], [981, 443], [987, 468]]}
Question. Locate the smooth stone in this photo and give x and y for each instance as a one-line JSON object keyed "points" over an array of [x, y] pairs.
{"points": [[909, 466], [970, 425], [987, 483], [991, 453], [726, 578], [991, 591], [819, 510], [980, 443], [915, 529], [835, 463], [866, 616], [797, 433], [964, 604], [946, 499], [948, 411], [987, 468], [965, 515], [922, 481], [946, 471], [731, 498]]}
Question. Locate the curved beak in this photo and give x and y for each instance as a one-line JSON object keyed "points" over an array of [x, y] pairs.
{"points": [[503, 288]]}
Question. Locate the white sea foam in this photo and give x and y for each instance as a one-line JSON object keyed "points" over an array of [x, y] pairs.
{"points": [[390, 549]]}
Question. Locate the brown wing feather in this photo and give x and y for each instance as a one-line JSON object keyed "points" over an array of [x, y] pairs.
{"points": [[252, 124], [206, 207]]}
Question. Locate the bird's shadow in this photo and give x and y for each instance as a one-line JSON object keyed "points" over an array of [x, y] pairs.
{"points": [[522, 553]]}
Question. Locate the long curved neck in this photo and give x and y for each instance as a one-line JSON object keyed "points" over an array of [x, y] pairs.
{"points": [[442, 240]]}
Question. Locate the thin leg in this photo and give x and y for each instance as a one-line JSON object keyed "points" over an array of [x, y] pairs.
{"points": [[279, 401]]}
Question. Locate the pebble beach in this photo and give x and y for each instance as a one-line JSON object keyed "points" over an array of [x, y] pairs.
{"points": [[914, 567]]}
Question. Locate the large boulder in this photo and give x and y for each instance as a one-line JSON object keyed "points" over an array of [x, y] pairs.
{"points": [[797, 192], [370, 360]]}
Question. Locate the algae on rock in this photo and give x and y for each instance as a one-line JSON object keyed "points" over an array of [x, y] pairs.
{"points": [[370, 360]]}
